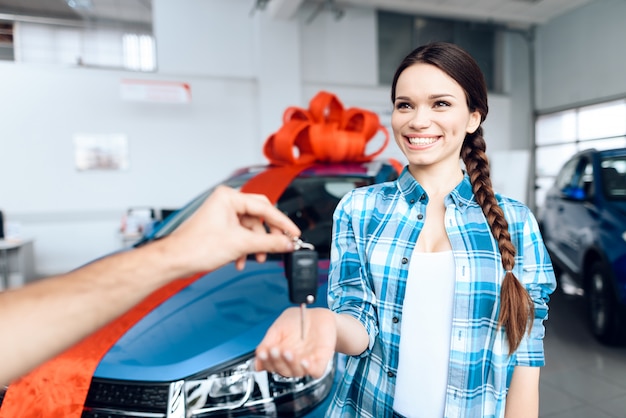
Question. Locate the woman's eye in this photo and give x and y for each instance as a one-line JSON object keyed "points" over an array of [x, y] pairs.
{"points": [[442, 104], [403, 105]]}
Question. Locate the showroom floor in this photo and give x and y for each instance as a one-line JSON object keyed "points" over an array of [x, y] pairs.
{"points": [[582, 378]]}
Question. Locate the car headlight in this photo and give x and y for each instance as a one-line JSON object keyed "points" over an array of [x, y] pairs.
{"points": [[239, 390]]}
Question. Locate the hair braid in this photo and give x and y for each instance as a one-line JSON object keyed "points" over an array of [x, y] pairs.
{"points": [[516, 306]]}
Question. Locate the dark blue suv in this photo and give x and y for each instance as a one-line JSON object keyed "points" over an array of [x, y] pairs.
{"points": [[584, 227]]}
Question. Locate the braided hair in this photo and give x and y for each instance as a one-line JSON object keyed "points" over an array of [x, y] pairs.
{"points": [[516, 306]]}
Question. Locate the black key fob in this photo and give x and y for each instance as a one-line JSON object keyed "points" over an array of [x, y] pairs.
{"points": [[301, 271]]}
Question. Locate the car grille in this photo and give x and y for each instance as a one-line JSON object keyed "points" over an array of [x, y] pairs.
{"points": [[111, 399]]}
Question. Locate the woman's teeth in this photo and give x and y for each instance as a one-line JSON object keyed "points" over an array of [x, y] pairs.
{"points": [[422, 141]]}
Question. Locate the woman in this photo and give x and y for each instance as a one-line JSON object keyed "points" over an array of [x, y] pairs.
{"points": [[438, 287]]}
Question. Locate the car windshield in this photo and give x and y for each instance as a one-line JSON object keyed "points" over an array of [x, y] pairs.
{"points": [[308, 201], [614, 177]]}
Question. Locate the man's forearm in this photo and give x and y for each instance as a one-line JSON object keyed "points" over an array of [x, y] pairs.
{"points": [[45, 317]]}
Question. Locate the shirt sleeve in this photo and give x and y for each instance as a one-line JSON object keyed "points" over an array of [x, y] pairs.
{"points": [[537, 276], [349, 291]]}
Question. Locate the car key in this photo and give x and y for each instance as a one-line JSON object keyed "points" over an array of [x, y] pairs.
{"points": [[301, 273]]}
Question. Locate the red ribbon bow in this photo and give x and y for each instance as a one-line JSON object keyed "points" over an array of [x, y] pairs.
{"points": [[324, 133]]}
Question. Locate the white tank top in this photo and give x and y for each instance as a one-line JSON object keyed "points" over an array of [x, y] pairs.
{"points": [[425, 336]]}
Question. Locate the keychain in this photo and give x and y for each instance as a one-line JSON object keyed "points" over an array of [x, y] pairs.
{"points": [[301, 271]]}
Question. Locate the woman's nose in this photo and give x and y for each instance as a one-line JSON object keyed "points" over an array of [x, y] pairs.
{"points": [[420, 119]]}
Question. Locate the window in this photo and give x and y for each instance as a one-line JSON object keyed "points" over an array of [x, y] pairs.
{"points": [[566, 175], [399, 34], [97, 47], [139, 52], [560, 135], [6, 41], [614, 177]]}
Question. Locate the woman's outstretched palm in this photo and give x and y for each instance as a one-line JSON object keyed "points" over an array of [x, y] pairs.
{"points": [[285, 351]]}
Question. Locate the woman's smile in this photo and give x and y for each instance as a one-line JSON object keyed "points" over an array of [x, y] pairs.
{"points": [[422, 140]]}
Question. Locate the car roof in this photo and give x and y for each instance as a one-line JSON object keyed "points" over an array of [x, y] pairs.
{"points": [[602, 153], [613, 152], [362, 169]]}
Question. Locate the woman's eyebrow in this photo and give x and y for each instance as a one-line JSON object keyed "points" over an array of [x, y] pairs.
{"points": [[439, 96], [430, 97]]}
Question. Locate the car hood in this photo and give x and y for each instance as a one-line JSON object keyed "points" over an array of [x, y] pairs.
{"points": [[221, 316]]}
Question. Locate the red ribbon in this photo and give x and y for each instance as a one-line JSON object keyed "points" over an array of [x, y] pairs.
{"points": [[323, 133]]}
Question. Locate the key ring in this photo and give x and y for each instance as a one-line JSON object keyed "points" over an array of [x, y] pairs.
{"points": [[298, 244]]}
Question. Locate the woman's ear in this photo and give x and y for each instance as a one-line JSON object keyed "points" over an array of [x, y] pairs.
{"points": [[474, 122]]}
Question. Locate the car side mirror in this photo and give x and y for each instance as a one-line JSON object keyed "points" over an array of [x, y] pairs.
{"points": [[574, 193]]}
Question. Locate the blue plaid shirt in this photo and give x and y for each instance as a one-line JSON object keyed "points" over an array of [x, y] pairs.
{"points": [[375, 231]]}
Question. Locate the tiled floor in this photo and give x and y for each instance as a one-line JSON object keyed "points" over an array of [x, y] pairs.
{"points": [[582, 378]]}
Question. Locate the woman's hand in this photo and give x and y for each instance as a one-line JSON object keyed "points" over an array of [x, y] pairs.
{"points": [[284, 351]]}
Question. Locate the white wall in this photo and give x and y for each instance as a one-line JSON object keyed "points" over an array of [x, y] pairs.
{"points": [[244, 70], [581, 57], [176, 151]]}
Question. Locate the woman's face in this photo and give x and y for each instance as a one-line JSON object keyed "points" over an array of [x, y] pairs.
{"points": [[430, 117]]}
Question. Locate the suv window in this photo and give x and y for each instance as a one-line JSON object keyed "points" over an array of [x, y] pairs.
{"points": [[586, 179], [566, 175], [576, 178], [614, 177]]}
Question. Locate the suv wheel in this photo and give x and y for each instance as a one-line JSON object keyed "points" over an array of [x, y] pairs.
{"points": [[605, 315]]}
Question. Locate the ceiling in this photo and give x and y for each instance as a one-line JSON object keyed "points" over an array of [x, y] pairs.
{"points": [[507, 12], [511, 12]]}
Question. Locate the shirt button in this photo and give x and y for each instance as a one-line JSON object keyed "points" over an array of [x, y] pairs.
{"points": [[423, 196], [420, 216], [390, 374], [395, 319], [412, 201], [405, 260]]}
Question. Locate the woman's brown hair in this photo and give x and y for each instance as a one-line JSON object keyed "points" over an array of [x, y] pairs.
{"points": [[516, 306]]}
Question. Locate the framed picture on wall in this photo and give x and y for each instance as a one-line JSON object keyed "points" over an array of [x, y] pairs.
{"points": [[101, 152]]}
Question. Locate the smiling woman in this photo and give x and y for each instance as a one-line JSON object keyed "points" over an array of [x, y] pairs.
{"points": [[489, 255]]}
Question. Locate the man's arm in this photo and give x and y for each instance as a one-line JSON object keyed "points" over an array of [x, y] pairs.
{"points": [[40, 320]]}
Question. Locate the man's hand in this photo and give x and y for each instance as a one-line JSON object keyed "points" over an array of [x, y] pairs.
{"points": [[230, 225]]}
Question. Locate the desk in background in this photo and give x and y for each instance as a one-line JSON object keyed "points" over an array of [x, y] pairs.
{"points": [[17, 265]]}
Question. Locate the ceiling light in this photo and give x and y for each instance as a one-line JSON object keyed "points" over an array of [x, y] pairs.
{"points": [[330, 5], [259, 5], [79, 4]]}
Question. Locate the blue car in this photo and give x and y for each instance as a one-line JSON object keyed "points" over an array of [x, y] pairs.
{"points": [[192, 356], [583, 224]]}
